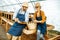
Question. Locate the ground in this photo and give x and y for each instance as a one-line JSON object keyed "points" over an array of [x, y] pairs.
{"points": [[52, 33], [2, 34]]}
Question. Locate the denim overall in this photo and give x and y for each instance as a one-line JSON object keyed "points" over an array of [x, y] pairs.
{"points": [[17, 28], [41, 27]]}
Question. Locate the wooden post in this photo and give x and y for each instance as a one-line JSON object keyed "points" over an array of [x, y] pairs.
{"points": [[1, 21], [6, 26], [6, 15], [11, 17]]}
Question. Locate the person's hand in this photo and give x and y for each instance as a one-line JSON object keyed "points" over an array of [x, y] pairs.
{"points": [[19, 21], [40, 21], [16, 19], [35, 21], [25, 31]]}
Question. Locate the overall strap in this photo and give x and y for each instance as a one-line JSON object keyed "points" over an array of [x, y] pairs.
{"points": [[18, 13], [19, 10]]}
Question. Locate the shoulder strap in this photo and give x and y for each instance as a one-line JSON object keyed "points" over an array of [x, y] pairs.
{"points": [[18, 10]]}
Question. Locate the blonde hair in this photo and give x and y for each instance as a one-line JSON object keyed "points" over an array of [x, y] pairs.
{"points": [[37, 4], [25, 4]]}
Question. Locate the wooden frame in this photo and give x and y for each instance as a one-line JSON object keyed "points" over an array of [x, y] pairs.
{"points": [[5, 17]]}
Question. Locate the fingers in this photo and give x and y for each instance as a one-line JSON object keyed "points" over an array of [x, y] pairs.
{"points": [[16, 19]]}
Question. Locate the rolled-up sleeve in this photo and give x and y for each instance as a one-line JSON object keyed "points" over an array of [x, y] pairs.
{"points": [[27, 17], [43, 17]]}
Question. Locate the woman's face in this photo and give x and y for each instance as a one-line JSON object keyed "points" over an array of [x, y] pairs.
{"points": [[37, 8]]}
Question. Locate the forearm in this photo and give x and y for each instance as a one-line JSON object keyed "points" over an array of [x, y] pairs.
{"points": [[42, 21], [15, 19], [31, 31], [22, 22]]}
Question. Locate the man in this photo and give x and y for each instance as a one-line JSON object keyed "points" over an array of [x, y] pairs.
{"points": [[21, 17]]}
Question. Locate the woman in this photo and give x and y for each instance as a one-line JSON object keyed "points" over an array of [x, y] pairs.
{"points": [[20, 22], [40, 19]]}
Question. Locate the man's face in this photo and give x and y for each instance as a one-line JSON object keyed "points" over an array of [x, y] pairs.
{"points": [[24, 8]]}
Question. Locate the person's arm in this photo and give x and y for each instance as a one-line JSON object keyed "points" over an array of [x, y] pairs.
{"points": [[31, 31], [15, 14], [26, 19], [43, 17], [34, 17]]}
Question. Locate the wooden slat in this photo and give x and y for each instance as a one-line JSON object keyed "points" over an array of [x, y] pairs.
{"points": [[8, 13], [50, 27], [54, 37], [7, 21]]}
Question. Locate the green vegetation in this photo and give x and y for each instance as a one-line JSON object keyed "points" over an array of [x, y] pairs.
{"points": [[54, 32]]}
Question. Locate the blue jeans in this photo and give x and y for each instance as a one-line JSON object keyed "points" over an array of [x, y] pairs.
{"points": [[39, 35]]}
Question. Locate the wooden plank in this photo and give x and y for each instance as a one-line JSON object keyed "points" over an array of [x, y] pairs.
{"points": [[8, 13], [6, 20], [54, 37]]}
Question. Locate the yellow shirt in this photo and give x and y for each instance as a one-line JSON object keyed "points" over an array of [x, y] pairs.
{"points": [[42, 14]]}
